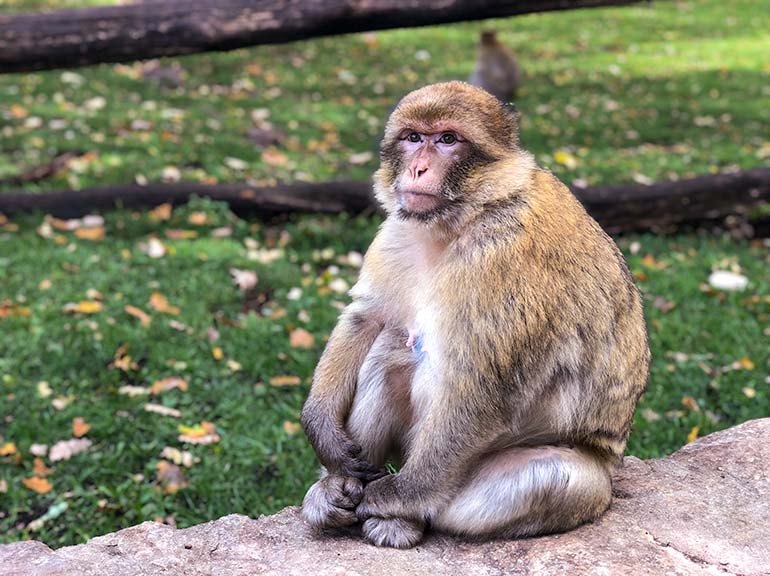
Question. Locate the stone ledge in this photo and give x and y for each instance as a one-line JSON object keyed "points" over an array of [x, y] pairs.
{"points": [[703, 510]]}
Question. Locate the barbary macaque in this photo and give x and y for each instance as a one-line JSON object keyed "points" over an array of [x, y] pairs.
{"points": [[496, 69], [494, 349]]}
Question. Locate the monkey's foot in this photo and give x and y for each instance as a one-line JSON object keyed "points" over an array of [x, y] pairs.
{"points": [[331, 502], [393, 532]]}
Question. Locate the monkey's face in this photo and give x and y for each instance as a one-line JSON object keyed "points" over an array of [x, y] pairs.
{"points": [[435, 143], [430, 164]]}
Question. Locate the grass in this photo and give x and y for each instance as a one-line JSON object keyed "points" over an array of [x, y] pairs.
{"points": [[634, 93]]}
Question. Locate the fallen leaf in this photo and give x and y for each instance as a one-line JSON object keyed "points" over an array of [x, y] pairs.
{"points": [[39, 485], [66, 449], [38, 449], [690, 403], [170, 477], [44, 389], [203, 433], [301, 338], [83, 307], [8, 309], [160, 303], [746, 363], [132, 391], [749, 392], [179, 457], [3, 486], [234, 365], [80, 427], [273, 157], [179, 234], [169, 383], [244, 279], [217, 353], [154, 248], [565, 159], [650, 262], [138, 313], [693, 433], [162, 410], [8, 449], [45, 284], [285, 381], [93, 234], [161, 212], [122, 360], [198, 219], [61, 402], [39, 468], [291, 428], [650, 415]]}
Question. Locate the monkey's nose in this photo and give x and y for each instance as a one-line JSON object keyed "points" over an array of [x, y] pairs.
{"points": [[420, 171]]}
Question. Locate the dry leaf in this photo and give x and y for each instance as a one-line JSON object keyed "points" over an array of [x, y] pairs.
{"points": [[244, 279], [690, 403], [693, 433], [154, 248], [301, 338], [83, 307], [162, 410], [178, 234], [8, 449], [285, 381], [45, 284], [44, 389], [217, 353], [179, 457], [273, 157], [61, 402], [40, 469], [138, 313], [746, 363], [749, 392], [291, 428], [203, 433], [66, 449], [132, 391], [39, 485], [160, 303], [169, 383], [198, 219], [8, 309], [80, 427], [3, 486], [122, 360], [161, 212], [170, 477], [38, 449], [96, 233], [650, 262]]}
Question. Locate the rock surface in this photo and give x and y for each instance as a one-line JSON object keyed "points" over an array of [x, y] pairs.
{"points": [[703, 510]]}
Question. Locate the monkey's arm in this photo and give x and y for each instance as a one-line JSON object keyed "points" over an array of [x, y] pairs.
{"points": [[457, 428], [333, 389]]}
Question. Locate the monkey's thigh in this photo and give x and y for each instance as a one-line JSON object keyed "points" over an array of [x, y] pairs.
{"points": [[381, 412], [527, 491]]}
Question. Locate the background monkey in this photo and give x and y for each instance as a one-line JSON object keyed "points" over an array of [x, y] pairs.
{"points": [[496, 69], [495, 344]]}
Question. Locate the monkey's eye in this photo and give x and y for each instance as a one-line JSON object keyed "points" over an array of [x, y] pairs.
{"points": [[414, 137], [448, 138]]}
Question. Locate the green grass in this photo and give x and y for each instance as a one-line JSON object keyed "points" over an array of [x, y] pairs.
{"points": [[670, 91]]}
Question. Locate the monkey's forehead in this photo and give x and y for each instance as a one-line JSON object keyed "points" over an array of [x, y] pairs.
{"points": [[470, 110]]}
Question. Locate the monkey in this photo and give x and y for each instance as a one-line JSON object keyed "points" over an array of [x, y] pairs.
{"points": [[496, 70], [494, 348]]}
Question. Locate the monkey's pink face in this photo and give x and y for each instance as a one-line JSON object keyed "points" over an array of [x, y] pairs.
{"points": [[431, 160]]}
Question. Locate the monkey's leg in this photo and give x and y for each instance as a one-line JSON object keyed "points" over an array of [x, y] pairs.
{"points": [[379, 417], [528, 491]]}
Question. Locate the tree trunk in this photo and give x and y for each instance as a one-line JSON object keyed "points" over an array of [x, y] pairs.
{"points": [[153, 28], [620, 208]]}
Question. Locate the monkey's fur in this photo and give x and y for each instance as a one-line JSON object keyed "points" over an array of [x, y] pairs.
{"points": [[496, 70], [513, 405]]}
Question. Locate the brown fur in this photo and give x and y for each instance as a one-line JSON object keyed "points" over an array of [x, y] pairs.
{"points": [[535, 350], [497, 70]]}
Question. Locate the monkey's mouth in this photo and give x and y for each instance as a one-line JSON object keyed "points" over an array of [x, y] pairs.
{"points": [[417, 202]]}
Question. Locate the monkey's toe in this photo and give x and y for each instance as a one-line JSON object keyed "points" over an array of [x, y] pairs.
{"points": [[393, 532], [330, 502]]}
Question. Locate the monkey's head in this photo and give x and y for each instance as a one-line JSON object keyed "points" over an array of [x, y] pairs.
{"points": [[488, 37], [437, 143]]}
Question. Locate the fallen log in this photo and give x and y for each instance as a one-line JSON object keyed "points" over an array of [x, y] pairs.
{"points": [[154, 28], [619, 208]]}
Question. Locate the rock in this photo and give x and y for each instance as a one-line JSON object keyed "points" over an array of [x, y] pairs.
{"points": [[703, 510]]}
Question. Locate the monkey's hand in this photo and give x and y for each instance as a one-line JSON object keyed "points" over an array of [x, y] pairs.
{"points": [[337, 452], [388, 498]]}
